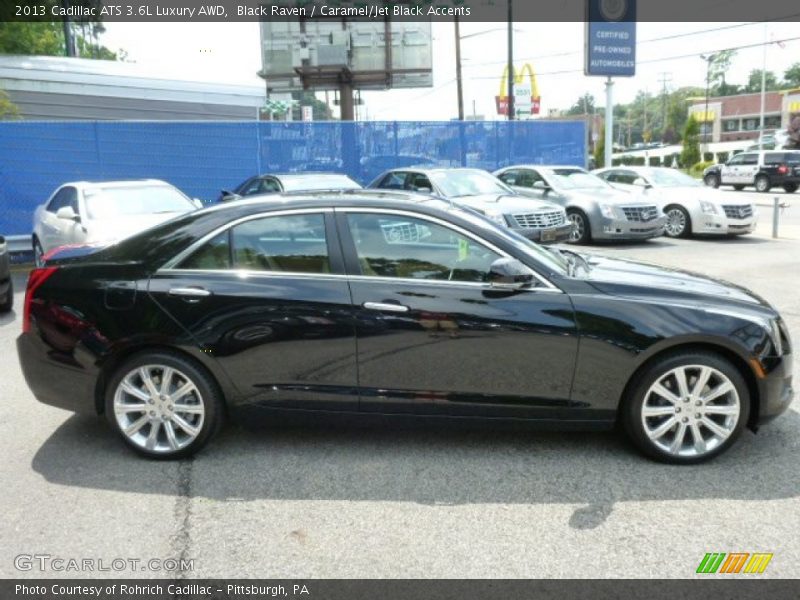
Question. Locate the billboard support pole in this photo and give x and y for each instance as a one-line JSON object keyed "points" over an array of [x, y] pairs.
{"points": [[346, 101], [459, 81], [609, 142], [510, 61]]}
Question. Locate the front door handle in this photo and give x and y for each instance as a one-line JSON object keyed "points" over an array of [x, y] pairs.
{"points": [[190, 293], [385, 306]]}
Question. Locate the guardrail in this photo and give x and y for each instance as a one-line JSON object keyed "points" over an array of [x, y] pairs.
{"points": [[18, 243]]}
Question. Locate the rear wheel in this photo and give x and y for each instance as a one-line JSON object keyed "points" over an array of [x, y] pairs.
{"points": [[580, 227], [38, 253], [790, 188], [678, 222], [738, 187], [163, 405], [762, 184], [712, 180], [7, 303], [686, 408]]}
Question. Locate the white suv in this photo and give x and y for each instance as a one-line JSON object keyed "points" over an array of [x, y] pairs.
{"points": [[763, 169]]}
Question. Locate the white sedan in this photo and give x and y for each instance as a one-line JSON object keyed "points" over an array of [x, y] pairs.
{"points": [[84, 212], [690, 206]]}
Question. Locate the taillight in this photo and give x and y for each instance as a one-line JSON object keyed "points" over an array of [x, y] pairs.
{"points": [[783, 170], [35, 280]]}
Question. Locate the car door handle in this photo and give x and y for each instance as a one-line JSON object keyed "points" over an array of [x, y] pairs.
{"points": [[195, 293], [385, 306]]}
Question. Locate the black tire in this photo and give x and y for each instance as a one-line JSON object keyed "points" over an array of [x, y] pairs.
{"points": [[738, 187], [762, 184], [687, 222], [210, 397], [712, 180], [8, 302], [582, 232], [790, 188], [631, 409], [38, 253]]}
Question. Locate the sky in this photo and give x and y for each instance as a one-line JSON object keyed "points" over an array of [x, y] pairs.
{"points": [[230, 53]]}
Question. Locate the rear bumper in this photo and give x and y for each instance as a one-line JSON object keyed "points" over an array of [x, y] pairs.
{"points": [[58, 384], [775, 390], [547, 235], [604, 228]]}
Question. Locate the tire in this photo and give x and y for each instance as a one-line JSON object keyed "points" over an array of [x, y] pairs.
{"points": [[738, 187], [712, 180], [8, 302], [790, 188], [178, 433], [679, 224], [581, 233], [762, 184], [38, 253], [657, 435]]}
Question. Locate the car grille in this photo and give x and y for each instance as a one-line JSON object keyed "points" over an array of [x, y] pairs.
{"points": [[538, 220], [738, 212], [640, 213]]}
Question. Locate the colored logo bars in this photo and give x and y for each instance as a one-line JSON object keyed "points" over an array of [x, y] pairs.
{"points": [[735, 562]]}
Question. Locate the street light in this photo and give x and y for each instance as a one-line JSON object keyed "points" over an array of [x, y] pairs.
{"points": [[709, 58]]}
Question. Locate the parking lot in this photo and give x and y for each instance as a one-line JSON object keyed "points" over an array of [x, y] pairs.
{"points": [[412, 502]]}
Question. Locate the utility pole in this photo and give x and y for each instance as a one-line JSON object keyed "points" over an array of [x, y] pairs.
{"points": [[459, 81], [763, 89], [511, 75], [665, 79]]}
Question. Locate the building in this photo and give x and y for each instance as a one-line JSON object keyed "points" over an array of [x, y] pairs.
{"points": [[51, 88], [734, 118]]}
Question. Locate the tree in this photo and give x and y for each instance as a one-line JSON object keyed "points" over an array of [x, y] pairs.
{"points": [[583, 105], [791, 76], [754, 81], [600, 150], [47, 39], [719, 65], [691, 144], [8, 110]]}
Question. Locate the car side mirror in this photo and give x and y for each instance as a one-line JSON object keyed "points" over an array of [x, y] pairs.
{"points": [[68, 214], [509, 274], [227, 196], [640, 182]]}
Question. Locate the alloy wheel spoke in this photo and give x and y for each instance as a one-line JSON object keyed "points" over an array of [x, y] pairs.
{"points": [[720, 390], [191, 409], [721, 409], [677, 442], [662, 429], [715, 428], [683, 385], [123, 408], [150, 444], [134, 427], [171, 438], [658, 411], [184, 424], [702, 381], [659, 389], [697, 436], [166, 379], [132, 390], [148, 382], [182, 391]]}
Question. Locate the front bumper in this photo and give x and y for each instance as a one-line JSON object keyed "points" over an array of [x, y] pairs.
{"points": [[721, 225], [546, 235], [774, 389], [604, 228]]}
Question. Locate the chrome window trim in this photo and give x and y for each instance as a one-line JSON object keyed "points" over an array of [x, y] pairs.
{"points": [[170, 264], [448, 225]]}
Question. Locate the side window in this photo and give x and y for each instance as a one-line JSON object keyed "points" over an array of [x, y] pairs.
{"points": [[72, 199], [270, 185], [59, 200], [395, 180], [749, 159], [286, 243], [405, 247], [416, 181], [510, 177], [252, 187], [736, 160], [627, 177], [528, 178]]}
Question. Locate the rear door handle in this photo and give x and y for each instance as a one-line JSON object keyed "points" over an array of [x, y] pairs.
{"points": [[385, 306], [190, 293]]}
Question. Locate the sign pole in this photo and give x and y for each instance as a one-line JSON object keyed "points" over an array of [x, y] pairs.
{"points": [[609, 143]]}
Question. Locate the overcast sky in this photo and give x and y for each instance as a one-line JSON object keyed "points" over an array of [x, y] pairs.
{"points": [[229, 53]]}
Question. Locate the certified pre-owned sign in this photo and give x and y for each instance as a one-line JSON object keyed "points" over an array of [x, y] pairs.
{"points": [[611, 38]]}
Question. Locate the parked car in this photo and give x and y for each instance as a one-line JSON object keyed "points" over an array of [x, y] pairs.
{"points": [[289, 182], [763, 170], [394, 304], [540, 221], [691, 207], [6, 285], [97, 212], [598, 211]]}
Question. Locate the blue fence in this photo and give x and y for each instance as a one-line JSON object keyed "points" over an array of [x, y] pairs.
{"points": [[203, 158]]}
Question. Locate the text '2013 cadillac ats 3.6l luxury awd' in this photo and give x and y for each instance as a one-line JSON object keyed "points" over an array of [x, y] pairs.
{"points": [[382, 303]]}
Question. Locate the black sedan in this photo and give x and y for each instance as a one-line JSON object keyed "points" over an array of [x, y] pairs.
{"points": [[275, 183], [393, 304], [6, 286]]}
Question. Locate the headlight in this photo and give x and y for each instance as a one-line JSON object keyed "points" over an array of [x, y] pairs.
{"points": [[708, 207], [607, 211], [497, 217], [776, 336]]}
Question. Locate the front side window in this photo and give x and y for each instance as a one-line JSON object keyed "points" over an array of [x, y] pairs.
{"points": [[63, 198], [395, 180], [749, 159], [280, 244], [404, 247]]}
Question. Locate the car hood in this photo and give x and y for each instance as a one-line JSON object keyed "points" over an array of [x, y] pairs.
{"points": [[110, 230], [507, 203], [613, 197], [622, 277], [706, 194]]}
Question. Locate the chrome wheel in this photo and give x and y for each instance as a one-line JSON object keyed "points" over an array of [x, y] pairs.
{"points": [[159, 408], [676, 222], [578, 227], [690, 410], [762, 184]]}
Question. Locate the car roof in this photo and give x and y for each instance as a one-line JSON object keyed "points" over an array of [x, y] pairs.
{"points": [[120, 183], [331, 198], [545, 167], [304, 174], [437, 169]]}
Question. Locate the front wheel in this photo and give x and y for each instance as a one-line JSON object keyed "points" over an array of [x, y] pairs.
{"points": [[678, 222], [712, 180], [762, 184], [581, 233], [790, 188], [686, 408], [38, 254], [163, 405]]}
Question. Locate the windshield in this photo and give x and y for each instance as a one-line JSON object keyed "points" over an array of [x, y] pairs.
{"points": [[295, 183], [575, 179], [671, 178], [454, 184], [111, 202]]}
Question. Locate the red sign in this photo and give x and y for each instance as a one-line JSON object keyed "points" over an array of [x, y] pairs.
{"points": [[502, 105]]}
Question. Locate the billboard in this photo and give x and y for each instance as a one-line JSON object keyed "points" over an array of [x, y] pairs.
{"points": [[527, 100], [610, 38]]}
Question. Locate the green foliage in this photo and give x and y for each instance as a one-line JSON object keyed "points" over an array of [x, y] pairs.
{"points": [[8, 110], [754, 81], [600, 150], [722, 156], [791, 76], [667, 161], [47, 39], [698, 168], [654, 161], [638, 161], [708, 156], [691, 144], [583, 105]]}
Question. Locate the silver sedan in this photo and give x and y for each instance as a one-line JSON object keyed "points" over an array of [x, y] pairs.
{"points": [[690, 206], [599, 211]]}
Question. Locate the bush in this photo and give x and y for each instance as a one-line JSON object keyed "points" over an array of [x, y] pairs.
{"points": [[638, 161], [698, 168], [667, 161], [708, 156], [722, 157], [691, 143], [654, 161], [615, 162]]}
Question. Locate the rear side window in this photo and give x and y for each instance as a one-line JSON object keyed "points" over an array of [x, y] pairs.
{"points": [[280, 244], [394, 181]]}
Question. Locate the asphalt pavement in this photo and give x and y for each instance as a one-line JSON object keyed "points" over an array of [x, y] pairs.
{"points": [[395, 502]]}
